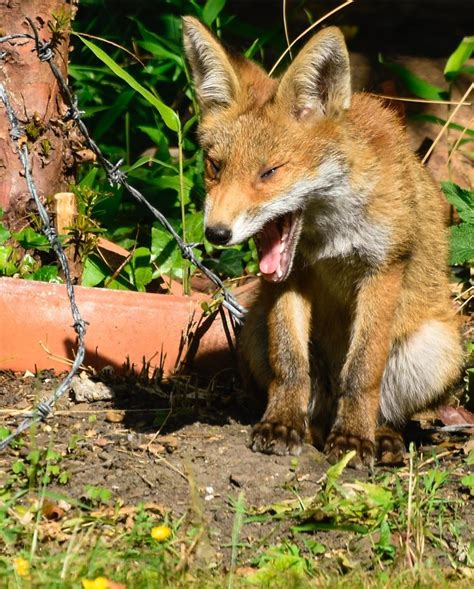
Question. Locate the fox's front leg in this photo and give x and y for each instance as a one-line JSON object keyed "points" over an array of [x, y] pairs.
{"points": [[284, 423], [361, 376]]}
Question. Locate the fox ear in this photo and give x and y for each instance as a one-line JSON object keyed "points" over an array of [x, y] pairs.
{"points": [[319, 78], [214, 77]]}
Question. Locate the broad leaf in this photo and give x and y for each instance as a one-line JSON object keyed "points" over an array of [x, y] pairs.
{"points": [[230, 263], [93, 273], [462, 243], [45, 274], [462, 199], [139, 268], [30, 239]]}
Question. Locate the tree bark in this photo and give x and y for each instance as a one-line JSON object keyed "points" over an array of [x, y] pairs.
{"points": [[37, 102]]}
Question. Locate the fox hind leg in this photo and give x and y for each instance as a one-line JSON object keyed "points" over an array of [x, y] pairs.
{"points": [[419, 371]]}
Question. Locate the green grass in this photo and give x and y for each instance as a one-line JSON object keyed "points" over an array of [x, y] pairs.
{"points": [[404, 528]]}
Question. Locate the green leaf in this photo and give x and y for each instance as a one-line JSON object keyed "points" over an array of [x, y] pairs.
{"points": [[170, 118], [139, 268], [4, 234], [230, 263], [112, 113], [18, 466], [64, 477], [45, 274], [159, 139], [334, 472], [413, 83], [469, 459], [440, 121], [89, 179], [462, 199], [157, 50], [92, 273], [468, 481], [30, 239], [34, 456], [165, 252], [168, 182], [458, 58], [467, 70], [194, 227], [7, 261], [462, 243], [211, 10]]}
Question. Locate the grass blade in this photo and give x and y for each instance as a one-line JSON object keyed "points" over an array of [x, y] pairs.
{"points": [[413, 83], [170, 118], [458, 58]]}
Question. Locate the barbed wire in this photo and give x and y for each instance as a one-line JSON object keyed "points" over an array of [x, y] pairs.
{"points": [[44, 408], [115, 176]]}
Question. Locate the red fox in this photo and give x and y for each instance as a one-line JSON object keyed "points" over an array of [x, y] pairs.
{"points": [[353, 330]]}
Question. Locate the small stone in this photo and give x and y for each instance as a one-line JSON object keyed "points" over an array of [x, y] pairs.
{"points": [[209, 496], [102, 442], [114, 416], [86, 390], [169, 442]]}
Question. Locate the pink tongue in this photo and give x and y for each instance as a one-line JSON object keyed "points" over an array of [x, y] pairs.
{"points": [[270, 241]]}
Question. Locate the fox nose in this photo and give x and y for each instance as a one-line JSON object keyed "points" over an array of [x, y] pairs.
{"points": [[218, 234]]}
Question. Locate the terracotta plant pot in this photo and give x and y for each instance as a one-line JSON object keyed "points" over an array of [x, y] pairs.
{"points": [[123, 327]]}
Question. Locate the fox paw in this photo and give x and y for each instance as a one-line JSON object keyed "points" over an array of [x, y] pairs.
{"points": [[275, 438], [338, 444], [390, 447]]}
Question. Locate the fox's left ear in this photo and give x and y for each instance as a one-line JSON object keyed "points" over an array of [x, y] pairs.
{"points": [[319, 80]]}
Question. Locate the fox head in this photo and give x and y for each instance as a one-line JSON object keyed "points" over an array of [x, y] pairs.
{"points": [[269, 143]]}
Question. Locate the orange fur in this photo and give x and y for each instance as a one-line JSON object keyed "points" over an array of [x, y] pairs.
{"points": [[354, 328]]}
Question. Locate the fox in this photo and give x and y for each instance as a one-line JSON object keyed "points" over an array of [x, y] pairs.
{"points": [[352, 330]]}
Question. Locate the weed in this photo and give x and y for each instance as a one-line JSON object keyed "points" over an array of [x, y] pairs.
{"points": [[97, 495], [39, 467]]}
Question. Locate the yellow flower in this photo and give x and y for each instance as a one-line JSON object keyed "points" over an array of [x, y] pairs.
{"points": [[22, 567], [97, 583], [160, 533]]}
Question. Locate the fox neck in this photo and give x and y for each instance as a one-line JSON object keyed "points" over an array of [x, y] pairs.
{"points": [[337, 221]]}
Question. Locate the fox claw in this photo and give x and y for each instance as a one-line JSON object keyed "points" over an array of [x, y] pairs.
{"points": [[390, 447], [275, 438], [339, 444]]}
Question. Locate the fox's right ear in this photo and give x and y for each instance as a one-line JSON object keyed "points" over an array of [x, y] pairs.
{"points": [[214, 77]]}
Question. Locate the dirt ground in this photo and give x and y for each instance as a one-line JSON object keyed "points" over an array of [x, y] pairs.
{"points": [[185, 448]]}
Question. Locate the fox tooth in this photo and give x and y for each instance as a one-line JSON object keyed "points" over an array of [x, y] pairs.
{"points": [[279, 272]]}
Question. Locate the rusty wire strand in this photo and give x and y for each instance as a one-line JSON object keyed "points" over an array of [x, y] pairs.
{"points": [[115, 176]]}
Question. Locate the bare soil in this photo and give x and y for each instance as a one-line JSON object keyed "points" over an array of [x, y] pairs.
{"points": [[185, 448]]}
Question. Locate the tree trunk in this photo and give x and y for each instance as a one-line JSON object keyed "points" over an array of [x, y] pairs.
{"points": [[37, 102]]}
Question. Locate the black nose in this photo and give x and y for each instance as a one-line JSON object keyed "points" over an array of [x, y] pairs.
{"points": [[218, 234]]}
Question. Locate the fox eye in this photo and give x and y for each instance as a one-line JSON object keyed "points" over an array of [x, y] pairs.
{"points": [[267, 173], [213, 167]]}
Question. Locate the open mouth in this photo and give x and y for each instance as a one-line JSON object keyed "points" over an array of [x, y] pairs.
{"points": [[276, 244]]}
